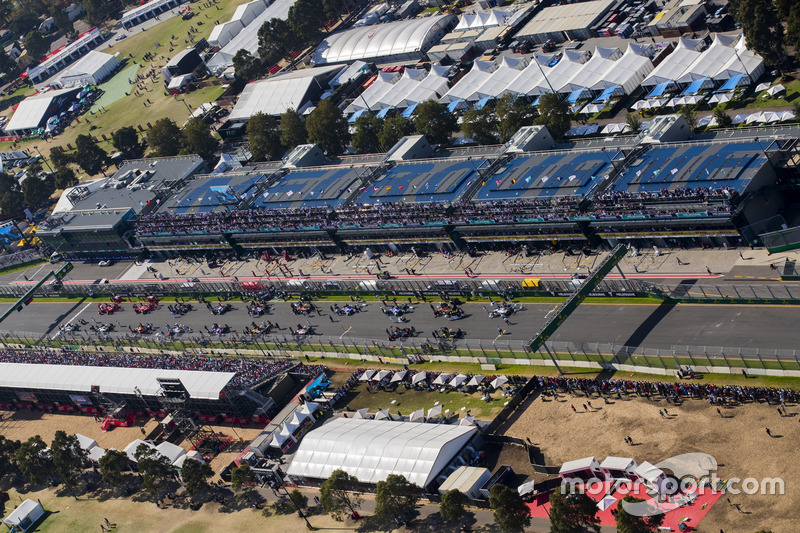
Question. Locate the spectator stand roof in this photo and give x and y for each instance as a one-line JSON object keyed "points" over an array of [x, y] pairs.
{"points": [[200, 384], [247, 37], [372, 450], [393, 41], [275, 94], [547, 175], [675, 64], [212, 193], [438, 180], [313, 187], [91, 69], [729, 165], [33, 111]]}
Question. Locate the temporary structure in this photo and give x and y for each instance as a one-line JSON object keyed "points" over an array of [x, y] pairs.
{"points": [[361, 413], [383, 414], [419, 414], [25, 515], [419, 377], [499, 381], [476, 381], [457, 380], [367, 375], [86, 443], [435, 411], [399, 376], [441, 379]]}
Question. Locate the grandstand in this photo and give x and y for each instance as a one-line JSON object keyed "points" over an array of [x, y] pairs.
{"points": [[207, 194], [313, 187]]}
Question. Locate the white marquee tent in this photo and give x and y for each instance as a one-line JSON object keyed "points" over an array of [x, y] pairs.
{"points": [[531, 80], [477, 76], [628, 72], [223, 33], [394, 41], [558, 76], [593, 70], [482, 19], [674, 65], [712, 61], [372, 450], [91, 69], [743, 63], [496, 84], [380, 88], [247, 13], [25, 515]]}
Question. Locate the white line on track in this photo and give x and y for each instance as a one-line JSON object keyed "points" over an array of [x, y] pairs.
{"points": [[57, 333]]}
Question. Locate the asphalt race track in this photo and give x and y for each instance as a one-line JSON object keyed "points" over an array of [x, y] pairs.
{"points": [[644, 325]]}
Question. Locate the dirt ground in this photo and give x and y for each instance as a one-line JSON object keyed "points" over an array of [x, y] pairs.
{"points": [[738, 440]]}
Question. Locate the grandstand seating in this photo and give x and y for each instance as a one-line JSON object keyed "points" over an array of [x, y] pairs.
{"points": [[546, 176], [440, 181]]}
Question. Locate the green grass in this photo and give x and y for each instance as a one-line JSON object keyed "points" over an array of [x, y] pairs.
{"points": [[786, 100]]}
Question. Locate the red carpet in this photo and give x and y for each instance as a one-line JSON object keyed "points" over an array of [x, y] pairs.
{"points": [[690, 514]]}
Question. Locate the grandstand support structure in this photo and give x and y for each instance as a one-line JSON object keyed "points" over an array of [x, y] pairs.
{"points": [[173, 397], [115, 410]]}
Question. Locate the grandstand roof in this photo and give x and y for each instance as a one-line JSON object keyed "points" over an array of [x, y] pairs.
{"points": [[209, 193], [34, 110], [200, 384], [372, 450], [276, 94], [672, 166], [401, 38], [314, 187]]}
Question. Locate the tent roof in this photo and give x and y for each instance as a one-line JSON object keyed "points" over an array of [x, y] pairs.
{"points": [[86, 443], [170, 451], [618, 463], [276, 94], [200, 384], [648, 472], [32, 110], [90, 64], [22, 511], [371, 450], [578, 465], [367, 42]]}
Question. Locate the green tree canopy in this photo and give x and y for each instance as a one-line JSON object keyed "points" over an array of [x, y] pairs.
{"points": [[394, 129], [197, 139], [33, 461], [513, 112], [762, 28], [690, 115], [792, 29], [154, 468], [573, 513], [395, 496], [8, 66], [61, 20], [327, 127], [58, 158], [247, 66], [629, 523], [126, 140], [339, 496], [36, 189], [554, 113], [113, 467], [293, 129], [435, 122], [69, 459], [90, 157], [480, 125], [263, 137], [299, 499], [195, 476], [306, 18], [8, 460], [365, 138], [453, 505], [634, 121], [165, 138], [97, 11], [275, 40], [36, 45], [724, 120], [510, 512]]}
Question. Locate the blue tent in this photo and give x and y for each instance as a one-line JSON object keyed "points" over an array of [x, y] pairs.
{"points": [[695, 86], [452, 106], [410, 111], [482, 102], [731, 84], [383, 112], [575, 95], [355, 116], [659, 89], [606, 95]]}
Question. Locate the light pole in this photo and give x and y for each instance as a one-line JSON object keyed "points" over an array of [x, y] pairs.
{"points": [[43, 158]]}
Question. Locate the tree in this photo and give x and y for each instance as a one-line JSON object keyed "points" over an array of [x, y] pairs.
{"points": [[36, 190], [126, 140], [293, 129], [97, 11], [113, 467], [36, 45], [69, 459], [33, 461], [453, 505], [480, 125], [11, 203], [690, 115], [394, 129], [513, 112], [90, 157], [365, 138], [242, 482], [154, 468], [338, 495], [395, 496], [263, 137], [629, 523], [197, 139], [634, 121], [724, 120], [435, 122], [305, 18], [793, 28], [62, 22], [59, 158], [165, 138], [195, 476], [762, 28], [247, 66], [8, 66], [8, 450], [572, 513], [327, 127], [275, 40], [22, 22], [510, 512], [554, 113], [299, 500], [64, 177]]}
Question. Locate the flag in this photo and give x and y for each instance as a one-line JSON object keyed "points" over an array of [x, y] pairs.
{"points": [[375, 188], [400, 187], [673, 171], [290, 193], [349, 189], [483, 182], [266, 194], [707, 172], [513, 181], [362, 189], [638, 173], [498, 182], [528, 179], [544, 179], [389, 188], [656, 172]]}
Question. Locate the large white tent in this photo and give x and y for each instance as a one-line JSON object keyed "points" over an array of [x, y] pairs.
{"points": [[593, 70], [34, 110], [628, 72], [531, 80], [247, 13], [25, 515], [743, 63], [482, 19], [371, 97], [675, 64], [712, 61], [223, 33], [394, 41], [276, 94], [564, 70], [91, 69], [397, 93], [200, 384], [481, 71], [496, 84], [372, 450]]}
